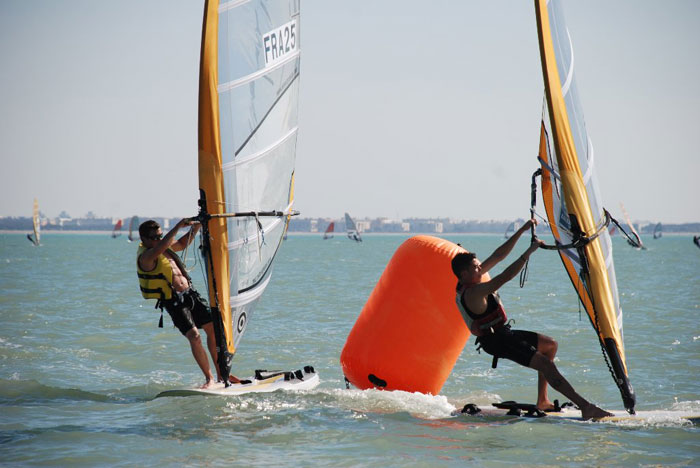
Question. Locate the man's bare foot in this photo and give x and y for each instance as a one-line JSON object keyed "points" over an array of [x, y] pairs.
{"points": [[593, 412], [546, 406], [207, 384]]}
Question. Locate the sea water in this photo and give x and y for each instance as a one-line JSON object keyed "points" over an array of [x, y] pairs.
{"points": [[81, 359]]}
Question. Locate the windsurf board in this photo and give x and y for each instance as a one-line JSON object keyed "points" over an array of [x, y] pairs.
{"points": [[263, 381], [529, 411]]}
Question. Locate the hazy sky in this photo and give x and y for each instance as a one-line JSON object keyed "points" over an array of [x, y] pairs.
{"points": [[408, 108]]}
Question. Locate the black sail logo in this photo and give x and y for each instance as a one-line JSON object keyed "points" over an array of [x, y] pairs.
{"points": [[242, 319]]}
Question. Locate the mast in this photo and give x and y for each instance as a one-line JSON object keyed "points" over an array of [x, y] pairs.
{"points": [[212, 198]]}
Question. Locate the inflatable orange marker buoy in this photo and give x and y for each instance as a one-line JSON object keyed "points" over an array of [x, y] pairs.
{"points": [[410, 332]]}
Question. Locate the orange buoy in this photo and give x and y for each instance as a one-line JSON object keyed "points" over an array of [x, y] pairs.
{"points": [[410, 332]]}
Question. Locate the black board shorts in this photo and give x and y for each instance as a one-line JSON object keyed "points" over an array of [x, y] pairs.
{"points": [[516, 345], [192, 311]]}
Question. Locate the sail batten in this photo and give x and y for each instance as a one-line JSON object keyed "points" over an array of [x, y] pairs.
{"points": [[263, 152], [226, 87], [249, 86], [571, 195]]}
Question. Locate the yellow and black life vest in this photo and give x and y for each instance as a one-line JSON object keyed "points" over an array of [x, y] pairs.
{"points": [[158, 283]]}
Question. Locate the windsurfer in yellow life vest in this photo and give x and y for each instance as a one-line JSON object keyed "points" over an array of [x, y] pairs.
{"points": [[483, 312], [162, 276]]}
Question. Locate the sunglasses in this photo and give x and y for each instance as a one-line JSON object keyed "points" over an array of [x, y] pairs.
{"points": [[155, 237]]}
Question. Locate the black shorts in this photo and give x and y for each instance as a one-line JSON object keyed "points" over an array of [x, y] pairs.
{"points": [[516, 345], [191, 312]]}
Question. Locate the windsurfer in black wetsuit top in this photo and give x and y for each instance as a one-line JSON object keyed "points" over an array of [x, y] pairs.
{"points": [[483, 312]]}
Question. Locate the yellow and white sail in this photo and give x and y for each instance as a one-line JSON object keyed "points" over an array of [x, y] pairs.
{"points": [[571, 195], [36, 225], [248, 97]]}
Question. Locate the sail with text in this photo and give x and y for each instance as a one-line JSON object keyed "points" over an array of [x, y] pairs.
{"points": [[248, 99], [351, 229], [117, 230], [133, 228], [329, 231], [35, 238], [571, 195]]}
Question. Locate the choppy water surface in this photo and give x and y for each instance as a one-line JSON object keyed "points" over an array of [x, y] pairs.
{"points": [[81, 359]]}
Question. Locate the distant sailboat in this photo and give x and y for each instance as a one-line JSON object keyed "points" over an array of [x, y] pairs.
{"points": [[329, 231], [36, 240], [351, 228], [637, 242], [696, 240], [133, 227], [658, 231], [512, 227], [117, 231]]}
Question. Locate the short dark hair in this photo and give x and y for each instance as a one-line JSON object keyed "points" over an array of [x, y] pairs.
{"points": [[147, 227], [461, 261]]}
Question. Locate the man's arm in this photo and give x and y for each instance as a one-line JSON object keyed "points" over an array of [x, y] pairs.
{"points": [[484, 289], [502, 252], [147, 260], [186, 239]]}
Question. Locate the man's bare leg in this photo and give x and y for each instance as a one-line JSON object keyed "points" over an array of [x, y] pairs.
{"points": [[200, 356], [547, 346], [542, 364], [211, 344]]}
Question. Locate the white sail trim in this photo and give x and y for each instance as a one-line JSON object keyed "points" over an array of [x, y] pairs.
{"points": [[570, 74], [608, 257], [250, 295], [237, 244], [589, 171], [251, 157], [231, 5], [225, 87]]}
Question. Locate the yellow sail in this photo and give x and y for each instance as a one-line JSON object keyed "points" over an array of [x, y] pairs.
{"points": [[211, 184], [571, 195], [248, 95]]}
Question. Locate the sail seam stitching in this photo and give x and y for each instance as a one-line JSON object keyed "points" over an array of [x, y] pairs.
{"points": [[224, 87]]}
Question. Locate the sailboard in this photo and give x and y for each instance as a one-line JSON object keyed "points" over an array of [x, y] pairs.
{"points": [[637, 241], [696, 240], [514, 410], [117, 230], [35, 238], [512, 227], [658, 231], [329, 231], [571, 195], [351, 229], [133, 228], [263, 382], [247, 119]]}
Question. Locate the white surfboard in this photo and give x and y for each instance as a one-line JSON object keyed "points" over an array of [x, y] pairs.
{"points": [[263, 381], [528, 411]]}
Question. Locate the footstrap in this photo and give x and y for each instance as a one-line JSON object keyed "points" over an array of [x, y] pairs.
{"points": [[516, 409]]}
